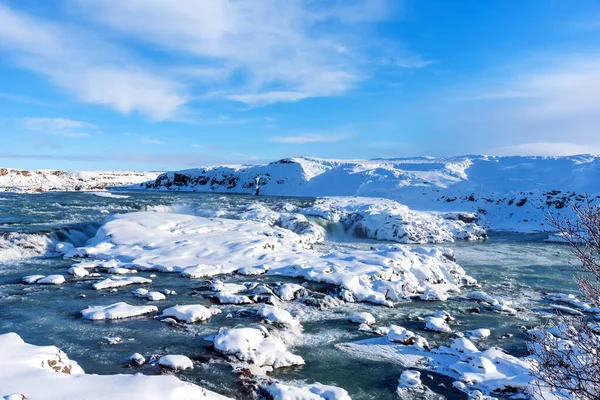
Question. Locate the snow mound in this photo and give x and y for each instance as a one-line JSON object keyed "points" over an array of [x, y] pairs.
{"points": [[45, 372], [255, 346], [119, 310], [276, 315]]}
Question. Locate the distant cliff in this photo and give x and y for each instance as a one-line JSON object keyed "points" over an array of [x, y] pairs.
{"points": [[20, 180]]}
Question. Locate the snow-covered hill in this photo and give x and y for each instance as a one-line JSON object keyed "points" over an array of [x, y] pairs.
{"points": [[508, 192], [41, 180]]}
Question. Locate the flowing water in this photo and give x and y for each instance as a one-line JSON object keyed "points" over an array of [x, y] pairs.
{"points": [[522, 268]]}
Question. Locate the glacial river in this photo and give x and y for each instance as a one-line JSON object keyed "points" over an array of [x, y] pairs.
{"points": [[522, 268]]}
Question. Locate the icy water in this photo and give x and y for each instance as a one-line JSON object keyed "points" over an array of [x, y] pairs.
{"points": [[522, 268]]}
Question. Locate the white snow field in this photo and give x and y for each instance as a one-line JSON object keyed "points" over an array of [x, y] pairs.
{"points": [[46, 373], [199, 247], [510, 193], [17, 180]]}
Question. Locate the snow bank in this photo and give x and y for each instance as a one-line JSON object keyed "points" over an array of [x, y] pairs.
{"points": [[45, 372], [513, 193], [315, 391], [255, 346], [119, 310], [183, 243]]}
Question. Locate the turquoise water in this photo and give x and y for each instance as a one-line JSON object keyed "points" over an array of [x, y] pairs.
{"points": [[518, 267]]}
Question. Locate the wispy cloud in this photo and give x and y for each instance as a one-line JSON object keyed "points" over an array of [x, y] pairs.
{"points": [[257, 52], [546, 149], [309, 138], [89, 68], [59, 127], [148, 140]]}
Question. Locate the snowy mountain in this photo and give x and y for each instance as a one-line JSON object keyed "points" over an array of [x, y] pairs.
{"points": [[512, 193], [42, 180]]}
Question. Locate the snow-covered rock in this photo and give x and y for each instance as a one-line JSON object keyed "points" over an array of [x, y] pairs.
{"points": [[255, 346], [116, 282], [180, 243], [175, 361], [315, 391], [400, 334], [276, 315], [78, 272], [477, 334], [137, 359], [51, 280], [45, 372], [31, 279], [188, 313], [155, 296], [437, 324], [116, 311], [361, 318]]}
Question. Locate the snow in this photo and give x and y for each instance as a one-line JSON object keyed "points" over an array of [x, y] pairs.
{"points": [[480, 333], [155, 296], [15, 180], [315, 391], [508, 193], [383, 219], [182, 243], [119, 310], [362, 318], [497, 303], [276, 315], [255, 346], [289, 291], [51, 280], [45, 372], [488, 371], [78, 272], [437, 325], [400, 334], [116, 282], [31, 279], [111, 195], [188, 313], [137, 359], [177, 362]]}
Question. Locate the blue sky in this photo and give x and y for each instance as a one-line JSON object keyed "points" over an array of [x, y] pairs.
{"points": [[152, 84]]}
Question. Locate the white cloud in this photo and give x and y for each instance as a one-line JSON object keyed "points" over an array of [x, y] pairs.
{"points": [[59, 127], [273, 51], [87, 67], [309, 138], [546, 149], [148, 140]]}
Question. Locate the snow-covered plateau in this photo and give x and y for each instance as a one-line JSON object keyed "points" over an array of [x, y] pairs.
{"points": [[507, 193], [19, 180]]}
